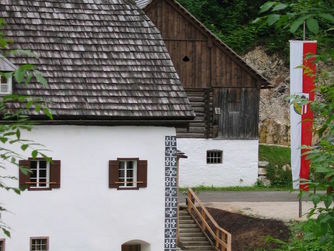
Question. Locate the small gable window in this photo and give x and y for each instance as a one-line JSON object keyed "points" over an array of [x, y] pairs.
{"points": [[186, 59], [214, 157], [6, 79], [41, 175], [5, 85], [39, 244], [127, 173]]}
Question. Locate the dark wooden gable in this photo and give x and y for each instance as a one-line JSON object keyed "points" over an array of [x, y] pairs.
{"points": [[182, 39], [223, 90], [211, 62]]}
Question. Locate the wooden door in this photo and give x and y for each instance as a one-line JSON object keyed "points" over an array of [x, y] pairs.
{"points": [[131, 247], [230, 113]]}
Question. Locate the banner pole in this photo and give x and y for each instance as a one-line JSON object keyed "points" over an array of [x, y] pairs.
{"points": [[300, 207], [300, 203], [304, 31]]}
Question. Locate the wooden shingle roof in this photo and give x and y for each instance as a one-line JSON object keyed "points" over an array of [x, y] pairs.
{"points": [[103, 59]]}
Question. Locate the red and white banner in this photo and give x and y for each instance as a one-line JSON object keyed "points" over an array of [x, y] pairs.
{"points": [[302, 70]]}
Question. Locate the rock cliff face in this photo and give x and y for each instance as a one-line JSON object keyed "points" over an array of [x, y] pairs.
{"points": [[274, 126]]}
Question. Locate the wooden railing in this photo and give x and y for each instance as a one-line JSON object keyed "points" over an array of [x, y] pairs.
{"points": [[219, 237]]}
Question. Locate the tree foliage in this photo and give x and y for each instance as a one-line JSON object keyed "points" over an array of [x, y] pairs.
{"points": [[233, 21], [14, 121]]}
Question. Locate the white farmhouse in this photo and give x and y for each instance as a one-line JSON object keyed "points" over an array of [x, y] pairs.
{"points": [[116, 101]]}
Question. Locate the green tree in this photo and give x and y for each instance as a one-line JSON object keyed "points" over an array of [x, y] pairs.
{"points": [[14, 121]]}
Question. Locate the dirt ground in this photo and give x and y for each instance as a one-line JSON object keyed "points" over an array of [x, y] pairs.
{"points": [[250, 233], [285, 211]]}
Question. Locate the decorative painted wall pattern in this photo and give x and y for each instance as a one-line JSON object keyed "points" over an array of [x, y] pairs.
{"points": [[170, 193]]}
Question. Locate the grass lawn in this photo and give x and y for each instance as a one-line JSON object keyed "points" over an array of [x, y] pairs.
{"points": [[275, 155]]}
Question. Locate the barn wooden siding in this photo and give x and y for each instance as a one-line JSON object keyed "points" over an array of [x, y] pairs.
{"points": [[212, 75]]}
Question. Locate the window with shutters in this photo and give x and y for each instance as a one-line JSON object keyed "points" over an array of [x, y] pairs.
{"points": [[39, 244], [39, 174], [128, 173], [214, 157], [5, 85], [2, 245]]}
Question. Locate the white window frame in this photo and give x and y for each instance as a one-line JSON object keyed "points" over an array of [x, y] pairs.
{"points": [[32, 239], [38, 185], [214, 159], [9, 85], [134, 181]]}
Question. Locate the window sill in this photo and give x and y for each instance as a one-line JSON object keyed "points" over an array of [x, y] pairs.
{"points": [[128, 188], [39, 189]]}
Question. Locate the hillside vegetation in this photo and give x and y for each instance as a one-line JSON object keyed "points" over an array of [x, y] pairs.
{"points": [[232, 22]]}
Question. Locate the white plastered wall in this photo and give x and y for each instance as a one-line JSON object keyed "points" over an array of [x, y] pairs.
{"points": [[239, 167], [84, 214]]}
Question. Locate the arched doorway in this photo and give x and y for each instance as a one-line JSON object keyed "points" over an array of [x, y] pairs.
{"points": [[136, 245]]}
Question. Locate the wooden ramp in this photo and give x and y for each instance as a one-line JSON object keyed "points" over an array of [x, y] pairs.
{"points": [[198, 230], [191, 236]]}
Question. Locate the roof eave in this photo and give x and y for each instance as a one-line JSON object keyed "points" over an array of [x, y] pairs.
{"points": [[6, 65], [178, 122]]}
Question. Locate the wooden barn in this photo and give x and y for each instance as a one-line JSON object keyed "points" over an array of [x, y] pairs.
{"points": [[222, 141]]}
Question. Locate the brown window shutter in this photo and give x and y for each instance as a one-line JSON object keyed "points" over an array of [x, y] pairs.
{"points": [[142, 173], [113, 173], [23, 178], [55, 174]]}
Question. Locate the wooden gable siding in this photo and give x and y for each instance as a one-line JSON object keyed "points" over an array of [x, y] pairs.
{"points": [[209, 64], [211, 77], [182, 38]]}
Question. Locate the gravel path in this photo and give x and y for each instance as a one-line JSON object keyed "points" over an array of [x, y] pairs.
{"points": [[251, 196], [272, 205]]}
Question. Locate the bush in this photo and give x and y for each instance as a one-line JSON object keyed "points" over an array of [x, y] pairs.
{"points": [[277, 157], [279, 177]]}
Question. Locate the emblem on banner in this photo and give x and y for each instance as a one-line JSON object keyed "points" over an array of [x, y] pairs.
{"points": [[299, 108]]}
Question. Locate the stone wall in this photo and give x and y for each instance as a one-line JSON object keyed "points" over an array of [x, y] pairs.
{"points": [[274, 123]]}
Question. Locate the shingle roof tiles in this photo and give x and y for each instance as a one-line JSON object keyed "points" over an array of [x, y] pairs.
{"points": [[100, 57]]}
